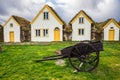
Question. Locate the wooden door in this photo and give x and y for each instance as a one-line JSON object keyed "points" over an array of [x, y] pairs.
{"points": [[12, 36], [56, 35], [111, 34]]}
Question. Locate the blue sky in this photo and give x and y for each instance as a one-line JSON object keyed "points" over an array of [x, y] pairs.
{"points": [[98, 10]]}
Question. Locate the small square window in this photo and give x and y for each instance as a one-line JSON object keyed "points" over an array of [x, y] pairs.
{"points": [[111, 27], [11, 24]]}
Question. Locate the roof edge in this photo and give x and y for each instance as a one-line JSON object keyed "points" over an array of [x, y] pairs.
{"points": [[52, 11]]}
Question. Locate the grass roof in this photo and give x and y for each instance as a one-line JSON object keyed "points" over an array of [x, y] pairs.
{"points": [[99, 25], [57, 15], [21, 21], [79, 13], [1, 26], [119, 22], [68, 29]]}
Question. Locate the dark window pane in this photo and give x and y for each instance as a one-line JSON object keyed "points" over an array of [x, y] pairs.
{"points": [[45, 15], [79, 20], [11, 24], [44, 32], [37, 32], [82, 31], [82, 20]]}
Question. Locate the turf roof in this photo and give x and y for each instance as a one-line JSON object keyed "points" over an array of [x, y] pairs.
{"points": [[79, 13], [1, 25], [68, 29], [21, 21], [99, 25], [57, 15]]}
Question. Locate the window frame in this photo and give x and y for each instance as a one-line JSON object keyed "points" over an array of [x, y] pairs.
{"points": [[11, 24], [81, 20], [81, 31], [37, 32], [45, 32], [45, 15]]}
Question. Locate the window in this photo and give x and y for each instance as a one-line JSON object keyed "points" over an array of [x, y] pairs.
{"points": [[81, 31], [45, 32], [45, 15], [81, 20], [111, 27], [37, 32], [11, 24]]}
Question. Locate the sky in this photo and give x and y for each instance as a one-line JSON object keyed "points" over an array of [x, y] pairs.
{"points": [[98, 10]]}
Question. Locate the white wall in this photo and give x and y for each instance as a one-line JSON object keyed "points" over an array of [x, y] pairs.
{"points": [[106, 31], [87, 30], [50, 24], [15, 29]]}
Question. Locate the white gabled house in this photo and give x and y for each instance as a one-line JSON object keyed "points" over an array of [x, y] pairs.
{"points": [[47, 26], [16, 29], [111, 30], [81, 26]]}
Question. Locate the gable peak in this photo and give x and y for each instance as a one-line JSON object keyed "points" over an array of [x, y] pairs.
{"points": [[84, 14], [111, 20]]}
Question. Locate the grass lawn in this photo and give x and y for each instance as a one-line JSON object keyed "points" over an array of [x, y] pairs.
{"points": [[16, 63]]}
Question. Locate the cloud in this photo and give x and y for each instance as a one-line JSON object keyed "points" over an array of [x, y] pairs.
{"points": [[99, 10], [51, 4], [24, 8]]}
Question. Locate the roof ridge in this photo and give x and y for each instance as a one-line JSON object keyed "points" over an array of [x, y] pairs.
{"points": [[57, 14], [100, 25], [83, 13], [15, 16], [49, 7], [21, 21]]}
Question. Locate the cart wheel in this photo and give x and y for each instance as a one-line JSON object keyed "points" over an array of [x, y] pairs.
{"points": [[84, 58]]}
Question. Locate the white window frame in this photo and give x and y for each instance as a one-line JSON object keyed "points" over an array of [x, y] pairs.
{"points": [[45, 32], [81, 31], [37, 32], [11, 24], [81, 20], [45, 15]]}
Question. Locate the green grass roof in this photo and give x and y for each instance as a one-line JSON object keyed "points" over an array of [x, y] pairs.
{"points": [[24, 23], [21, 21], [1, 26]]}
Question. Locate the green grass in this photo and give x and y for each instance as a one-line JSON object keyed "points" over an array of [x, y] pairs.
{"points": [[17, 63]]}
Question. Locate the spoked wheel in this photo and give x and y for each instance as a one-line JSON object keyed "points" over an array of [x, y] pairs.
{"points": [[84, 58]]}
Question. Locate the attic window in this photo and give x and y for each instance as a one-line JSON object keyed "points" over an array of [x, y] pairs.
{"points": [[81, 20], [45, 15], [111, 28], [11, 24]]}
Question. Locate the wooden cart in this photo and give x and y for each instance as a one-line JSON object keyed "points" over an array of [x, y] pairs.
{"points": [[83, 56]]}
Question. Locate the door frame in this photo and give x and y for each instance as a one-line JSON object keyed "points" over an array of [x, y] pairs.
{"points": [[112, 35], [56, 29], [11, 32]]}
